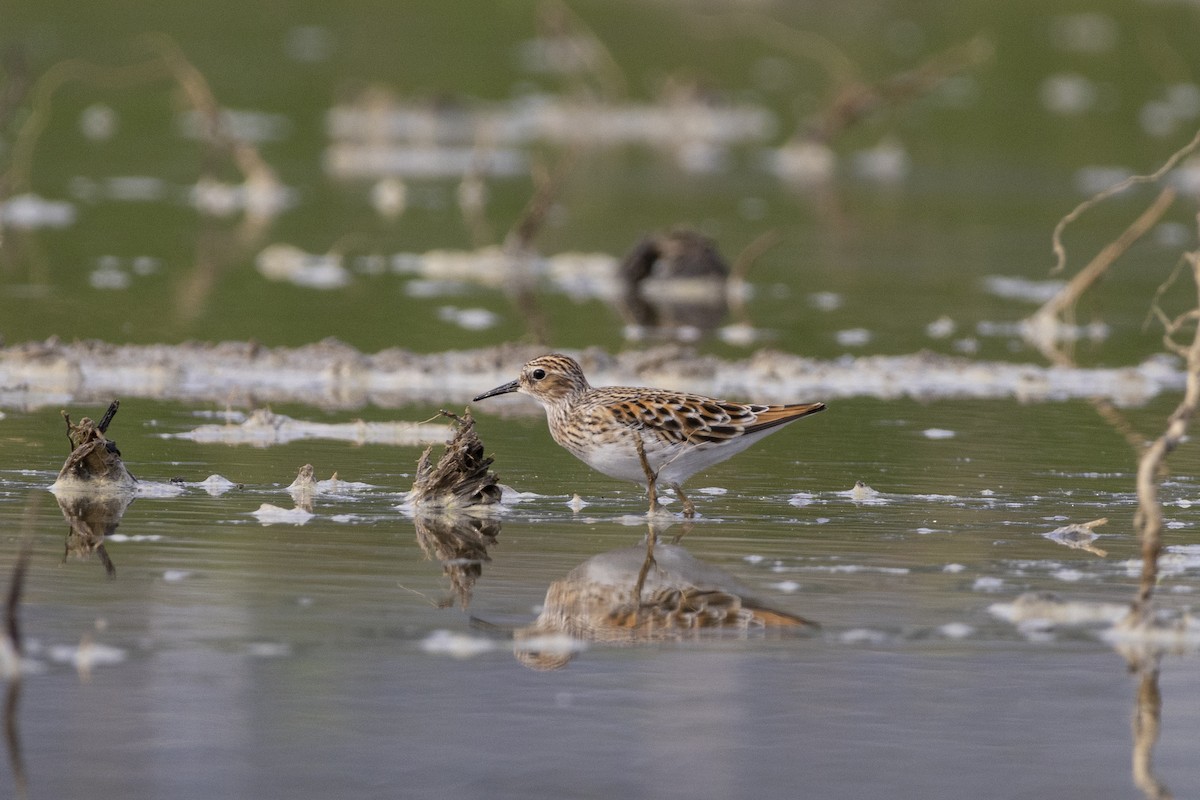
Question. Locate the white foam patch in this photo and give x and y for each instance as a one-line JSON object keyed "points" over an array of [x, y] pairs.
{"points": [[1177, 560], [457, 645], [216, 485], [264, 428], [826, 301], [85, 656], [472, 319], [1068, 575], [1016, 288], [787, 586], [269, 514], [853, 568], [337, 486], [938, 433], [1172, 634], [157, 489], [550, 643], [268, 649], [864, 495], [863, 636], [510, 496], [136, 537], [1040, 610], [987, 583], [956, 630], [853, 337], [28, 211], [941, 328]]}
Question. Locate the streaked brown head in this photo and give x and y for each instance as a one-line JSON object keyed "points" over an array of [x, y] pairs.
{"points": [[550, 379]]}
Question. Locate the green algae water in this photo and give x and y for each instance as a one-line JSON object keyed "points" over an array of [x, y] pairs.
{"points": [[214, 636]]}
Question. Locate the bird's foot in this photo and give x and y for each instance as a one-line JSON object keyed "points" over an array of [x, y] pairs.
{"points": [[689, 508]]}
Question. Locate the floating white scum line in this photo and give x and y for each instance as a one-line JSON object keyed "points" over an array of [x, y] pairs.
{"points": [[334, 375]]}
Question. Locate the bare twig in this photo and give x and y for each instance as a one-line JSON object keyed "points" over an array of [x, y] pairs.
{"points": [[547, 185], [796, 42], [735, 289], [519, 248], [856, 101], [1060, 252], [1041, 327], [1149, 515], [169, 62], [558, 22], [107, 419]]}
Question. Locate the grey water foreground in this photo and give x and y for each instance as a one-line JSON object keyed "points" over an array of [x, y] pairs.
{"points": [[333, 374]]}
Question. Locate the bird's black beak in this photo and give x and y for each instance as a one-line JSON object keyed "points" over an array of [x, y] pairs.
{"points": [[511, 386]]}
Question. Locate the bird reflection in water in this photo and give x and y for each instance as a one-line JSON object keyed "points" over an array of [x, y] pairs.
{"points": [[643, 594], [92, 517]]}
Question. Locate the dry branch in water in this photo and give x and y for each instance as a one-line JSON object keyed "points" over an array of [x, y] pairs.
{"points": [[1060, 252], [168, 62], [94, 459], [461, 478], [1043, 326], [852, 98], [1149, 515], [1041, 329]]}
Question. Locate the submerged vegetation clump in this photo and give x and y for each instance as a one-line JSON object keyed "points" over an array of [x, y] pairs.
{"points": [[95, 461], [460, 478]]}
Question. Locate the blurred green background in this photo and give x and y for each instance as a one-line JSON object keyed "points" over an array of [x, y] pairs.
{"points": [[989, 122]]}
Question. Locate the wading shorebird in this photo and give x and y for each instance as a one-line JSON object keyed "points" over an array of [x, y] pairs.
{"points": [[644, 435]]}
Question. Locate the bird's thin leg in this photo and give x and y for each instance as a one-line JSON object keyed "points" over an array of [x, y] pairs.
{"points": [[689, 508], [684, 531], [651, 475], [651, 540]]}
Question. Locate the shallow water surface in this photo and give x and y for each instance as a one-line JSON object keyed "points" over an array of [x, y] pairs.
{"points": [[229, 656], [390, 208]]}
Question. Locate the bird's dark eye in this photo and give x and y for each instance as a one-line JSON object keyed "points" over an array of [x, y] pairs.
{"points": [[538, 374]]}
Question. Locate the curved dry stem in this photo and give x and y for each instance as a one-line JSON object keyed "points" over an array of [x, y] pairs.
{"points": [[18, 177], [1149, 516], [556, 18], [1042, 325], [1060, 252], [799, 43], [169, 61]]}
